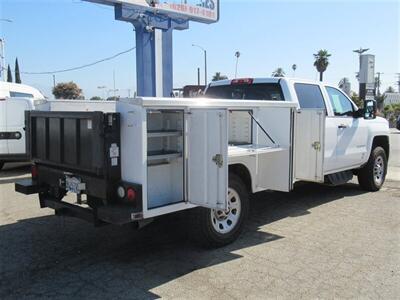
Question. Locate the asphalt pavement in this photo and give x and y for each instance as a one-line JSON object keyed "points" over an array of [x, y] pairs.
{"points": [[316, 242]]}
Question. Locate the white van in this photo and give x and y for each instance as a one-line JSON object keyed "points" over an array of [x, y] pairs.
{"points": [[15, 90], [15, 99]]}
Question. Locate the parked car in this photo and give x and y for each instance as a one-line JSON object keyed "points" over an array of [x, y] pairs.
{"points": [[398, 123]]}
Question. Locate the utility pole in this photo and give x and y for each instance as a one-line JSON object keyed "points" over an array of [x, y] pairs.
{"points": [[3, 60], [398, 81], [378, 83], [198, 76], [54, 81], [115, 91], [3, 53]]}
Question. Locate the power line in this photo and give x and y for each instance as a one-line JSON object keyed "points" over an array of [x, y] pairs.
{"points": [[82, 66]]}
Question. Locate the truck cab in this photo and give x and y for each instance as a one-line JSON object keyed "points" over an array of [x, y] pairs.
{"points": [[349, 137]]}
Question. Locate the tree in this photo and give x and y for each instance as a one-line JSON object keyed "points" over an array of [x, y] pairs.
{"points": [[9, 74], [67, 90], [279, 72], [321, 62], [356, 99], [218, 76], [390, 89], [113, 98], [17, 74], [96, 98]]}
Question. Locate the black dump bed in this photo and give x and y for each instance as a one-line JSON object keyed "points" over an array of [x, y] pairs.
{"points": [[77, 142]]}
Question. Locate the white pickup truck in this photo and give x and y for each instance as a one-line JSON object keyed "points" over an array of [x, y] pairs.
{"points": [[148, 157]]}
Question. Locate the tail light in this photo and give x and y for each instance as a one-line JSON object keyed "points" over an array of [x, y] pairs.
{"points": [[242, 81], [127, 193], [34, 172], [131, 194]]}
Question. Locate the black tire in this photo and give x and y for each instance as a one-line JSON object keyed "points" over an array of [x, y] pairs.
{"points": [[201, 220], [371, 177], [1, 165]]}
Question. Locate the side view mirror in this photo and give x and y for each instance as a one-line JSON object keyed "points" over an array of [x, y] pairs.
{"points": [[370, 109]]}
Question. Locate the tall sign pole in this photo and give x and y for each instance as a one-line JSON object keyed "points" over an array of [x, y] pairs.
{"points": [[361, 92], [154, 23]]}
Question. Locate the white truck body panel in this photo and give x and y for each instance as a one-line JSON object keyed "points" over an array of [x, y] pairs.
{"points": [[206, 135], [207, 141]]}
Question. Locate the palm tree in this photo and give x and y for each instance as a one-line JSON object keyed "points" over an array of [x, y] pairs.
{"points": [[279, 72], [218, 76], [321, 62]]}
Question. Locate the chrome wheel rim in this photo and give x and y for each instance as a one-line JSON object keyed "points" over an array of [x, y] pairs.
{"points": [[225, 221], [379, 170]]}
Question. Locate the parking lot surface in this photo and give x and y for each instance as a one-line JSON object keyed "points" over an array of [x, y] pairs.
{"points": [[318, 241]]}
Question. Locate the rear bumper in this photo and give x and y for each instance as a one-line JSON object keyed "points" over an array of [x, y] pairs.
{"points": [[117, 214]]}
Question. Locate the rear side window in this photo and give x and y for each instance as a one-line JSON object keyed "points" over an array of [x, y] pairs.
{"points": [[309, 95], [20, 95], [257, 91]]}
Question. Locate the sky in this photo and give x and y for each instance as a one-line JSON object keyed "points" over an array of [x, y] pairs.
{"points": [[48, 35]]}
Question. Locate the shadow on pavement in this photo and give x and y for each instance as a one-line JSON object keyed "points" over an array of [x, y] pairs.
{"points": [[64, 258]]}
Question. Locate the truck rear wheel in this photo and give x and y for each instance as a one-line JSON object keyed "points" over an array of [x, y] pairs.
{"points": [[372, 176], [216, 228]]}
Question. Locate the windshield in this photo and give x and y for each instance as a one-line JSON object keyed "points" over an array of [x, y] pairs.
{"points": [[256, 91]]}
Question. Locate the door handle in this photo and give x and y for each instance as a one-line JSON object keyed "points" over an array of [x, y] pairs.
{"points": [[343, 126]]}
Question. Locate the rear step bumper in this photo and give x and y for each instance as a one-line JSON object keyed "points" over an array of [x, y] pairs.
{"points": [[108, 214]]}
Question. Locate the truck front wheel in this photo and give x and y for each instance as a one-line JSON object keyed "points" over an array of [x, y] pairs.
{"points": [[216, 228], [372, 176]]}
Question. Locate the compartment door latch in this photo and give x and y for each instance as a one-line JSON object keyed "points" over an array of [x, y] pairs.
{"points": [[219, 160], [316, 146]]}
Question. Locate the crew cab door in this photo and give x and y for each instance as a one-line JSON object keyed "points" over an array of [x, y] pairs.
{"points": [[207, 158]]}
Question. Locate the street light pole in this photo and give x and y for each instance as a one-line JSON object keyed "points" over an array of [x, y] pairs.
{"points": [[3, 60], [205, 63], [360, 52], [237, 54]]}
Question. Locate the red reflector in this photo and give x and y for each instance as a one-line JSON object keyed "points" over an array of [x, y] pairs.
{"points": [[130, 194], [242, 81], [34, 171]]}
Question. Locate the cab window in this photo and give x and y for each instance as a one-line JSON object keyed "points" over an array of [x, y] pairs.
{"points": [[340, 103], [309, 96], [20, 95], [257, 91]]}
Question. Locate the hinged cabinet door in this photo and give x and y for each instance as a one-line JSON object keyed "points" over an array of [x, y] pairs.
{"points": [[207, 158], [309, 145]]}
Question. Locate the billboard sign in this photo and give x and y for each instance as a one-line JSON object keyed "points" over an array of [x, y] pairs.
{"points": [[205, 11], [367, 71]]}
